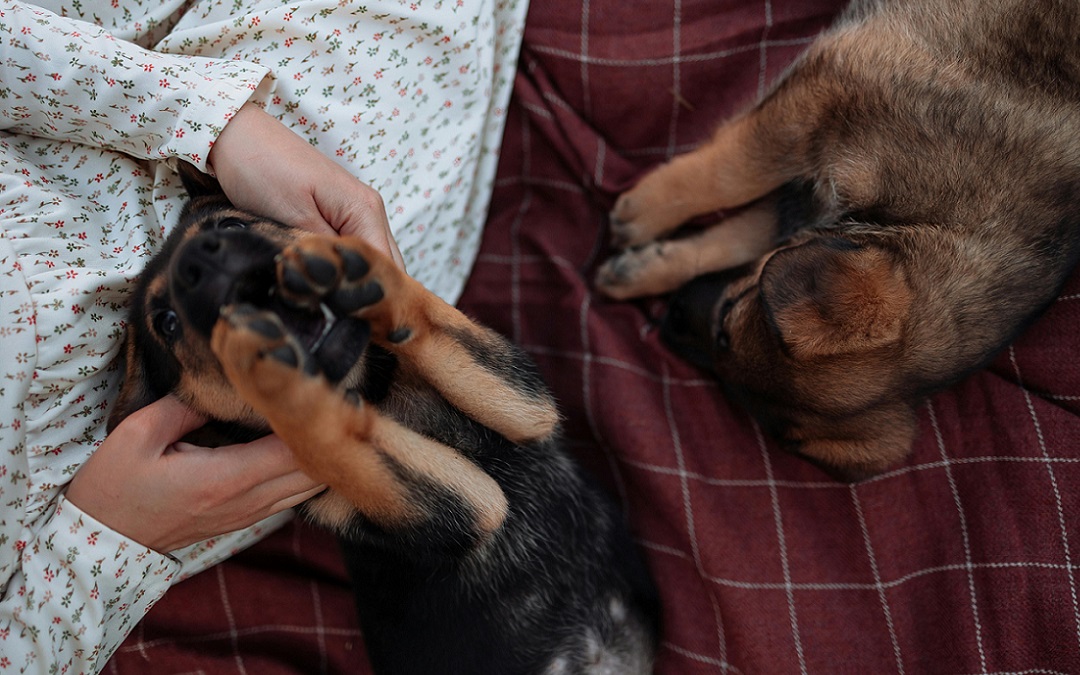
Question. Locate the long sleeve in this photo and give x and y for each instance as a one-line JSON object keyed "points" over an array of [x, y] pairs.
{"points": [[66, 79], [79, 590]]}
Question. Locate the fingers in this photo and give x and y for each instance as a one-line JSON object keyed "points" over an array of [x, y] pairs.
{"points": [[161, 423]]}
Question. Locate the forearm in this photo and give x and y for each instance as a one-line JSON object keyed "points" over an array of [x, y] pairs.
{"points": [[70, 80]]}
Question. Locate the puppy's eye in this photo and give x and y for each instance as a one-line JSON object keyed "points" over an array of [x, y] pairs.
{"points": [[167, 324], [725, 309], [231, 224], [723, 341]]}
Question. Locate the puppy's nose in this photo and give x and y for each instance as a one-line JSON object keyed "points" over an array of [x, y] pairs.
{"points": [[204, 253]]}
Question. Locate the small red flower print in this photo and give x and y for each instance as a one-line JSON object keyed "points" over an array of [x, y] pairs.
{"points": [[94, 593], [148, 67], [68, 349], [92, 539], [378, 74], [179, 133], [302, 121], [340, 152], [376, 36], [288, 42], [56, 620], [255, 21], [298, 76], [287, 16], [163, 83], [447, 104], [25, 30], [56, 76], [4, 662], [20, 545]]}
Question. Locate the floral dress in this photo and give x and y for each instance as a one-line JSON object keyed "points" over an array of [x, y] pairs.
{"points": [[97, 100]]}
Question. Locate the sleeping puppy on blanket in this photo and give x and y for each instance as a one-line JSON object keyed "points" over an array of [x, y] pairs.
{"points": [[910, 201], [475, 543]]}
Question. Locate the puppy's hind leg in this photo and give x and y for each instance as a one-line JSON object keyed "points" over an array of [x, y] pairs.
{"points": [[474, 368]]}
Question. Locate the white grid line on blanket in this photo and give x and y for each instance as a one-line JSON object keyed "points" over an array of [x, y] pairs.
{"points": [[828, 586], [233, 633], [586, 99], [676, 77], [1054, 485], [590, 413], [688, 507], [242, 632], [965, 536], [785, 565], [882, 596]]}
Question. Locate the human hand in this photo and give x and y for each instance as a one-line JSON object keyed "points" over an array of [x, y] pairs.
{"points": [[265, 168], [166, 495]]}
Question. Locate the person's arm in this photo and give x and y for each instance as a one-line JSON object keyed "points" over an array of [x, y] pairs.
{"points": [[98, 560], [67, 79]]}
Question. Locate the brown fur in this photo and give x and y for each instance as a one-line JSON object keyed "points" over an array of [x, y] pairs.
{"points": [[913, 180]]}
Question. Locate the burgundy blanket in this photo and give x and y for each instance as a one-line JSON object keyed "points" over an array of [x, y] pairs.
{"points": [[962, 560]]}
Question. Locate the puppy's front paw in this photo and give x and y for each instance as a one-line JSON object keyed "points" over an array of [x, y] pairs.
{"points": [[255, 349], [350, 278], [652, 209], [635, 273]]}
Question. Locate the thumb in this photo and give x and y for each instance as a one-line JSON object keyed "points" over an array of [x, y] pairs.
{"points": [[163, 422]]}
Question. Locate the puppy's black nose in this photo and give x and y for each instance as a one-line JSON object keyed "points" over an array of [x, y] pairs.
{"points": [[687, 327], [203, 255]]}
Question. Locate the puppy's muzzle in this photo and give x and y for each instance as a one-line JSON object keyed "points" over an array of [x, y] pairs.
{"points": [[688, 327], [216, 268]]}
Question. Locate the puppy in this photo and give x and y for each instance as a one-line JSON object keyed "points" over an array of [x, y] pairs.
{"points": [[475, 543], [900, 206]]}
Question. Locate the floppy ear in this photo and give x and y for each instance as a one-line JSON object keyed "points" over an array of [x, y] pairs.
{"points": [[197, 183], [830, 296], [135, 392]]}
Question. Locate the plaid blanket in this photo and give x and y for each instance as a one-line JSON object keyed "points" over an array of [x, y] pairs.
{"points": [[961, 560]]}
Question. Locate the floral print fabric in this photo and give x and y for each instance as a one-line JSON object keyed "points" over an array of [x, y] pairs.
{"points": [[96, 101]]}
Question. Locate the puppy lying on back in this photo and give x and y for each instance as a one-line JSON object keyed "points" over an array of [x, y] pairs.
{"points": [[475, 543], [910, 201]]}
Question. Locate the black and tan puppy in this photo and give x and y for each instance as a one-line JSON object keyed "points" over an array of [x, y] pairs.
{"points": [[475, 543], [910, 201]]}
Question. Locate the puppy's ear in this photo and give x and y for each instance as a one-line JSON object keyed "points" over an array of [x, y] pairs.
{"points": [[881, 438], [197, 183], [830, 297], [135, 392]]}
